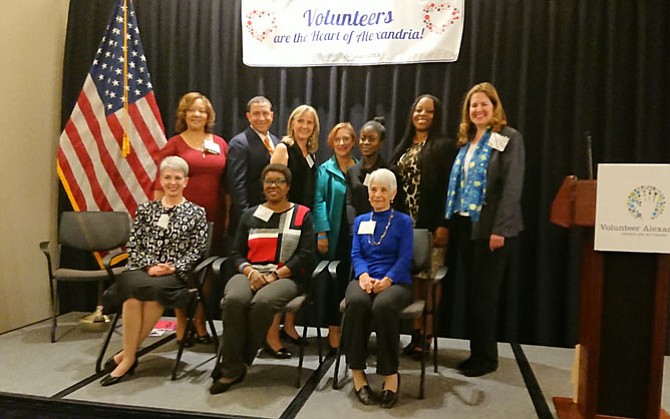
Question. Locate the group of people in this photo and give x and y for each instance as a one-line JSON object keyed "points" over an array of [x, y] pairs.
{"points": [[286, 211]]}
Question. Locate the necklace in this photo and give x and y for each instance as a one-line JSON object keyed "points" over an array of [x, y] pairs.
{"points": [[371, 239]]}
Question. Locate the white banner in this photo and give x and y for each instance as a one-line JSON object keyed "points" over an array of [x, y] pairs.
{"points": [[292, 33], [632, 213]]}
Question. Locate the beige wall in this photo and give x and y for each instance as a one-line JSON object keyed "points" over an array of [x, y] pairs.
{"points": [[32, 39]]}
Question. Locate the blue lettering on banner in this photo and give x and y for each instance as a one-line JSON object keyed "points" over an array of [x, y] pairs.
{"points": [[317, 18]]}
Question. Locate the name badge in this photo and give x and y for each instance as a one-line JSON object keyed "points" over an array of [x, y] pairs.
{"points": [[366, 227], [366, 181], [163, 221], [310, 160], [263, 213], [498, 142], [212, 147]]}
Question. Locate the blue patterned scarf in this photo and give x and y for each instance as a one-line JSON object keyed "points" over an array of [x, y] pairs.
{"points": [[468, 195]]}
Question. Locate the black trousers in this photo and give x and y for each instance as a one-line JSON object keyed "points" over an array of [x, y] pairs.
{"points": [[486, 273], [378, 311]]}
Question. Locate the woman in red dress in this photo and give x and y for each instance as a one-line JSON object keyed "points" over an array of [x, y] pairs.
{"points": [[206, 155]]}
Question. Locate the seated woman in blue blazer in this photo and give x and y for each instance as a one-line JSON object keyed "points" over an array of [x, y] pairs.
{"points": [[381, 256]]}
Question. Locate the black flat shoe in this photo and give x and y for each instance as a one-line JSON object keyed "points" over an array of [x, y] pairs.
{"points": [[187, 344], [366, 396], [281, 353], [203, 340], [110, 380], [218, 387], [299, 341], [479, 368], [389, 398], [463, 365]]}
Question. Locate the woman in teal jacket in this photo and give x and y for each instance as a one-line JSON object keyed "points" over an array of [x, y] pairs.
{"points": [[330, 219]]}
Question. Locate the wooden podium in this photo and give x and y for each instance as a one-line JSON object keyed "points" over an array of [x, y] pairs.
{"points": [[622, 320]]}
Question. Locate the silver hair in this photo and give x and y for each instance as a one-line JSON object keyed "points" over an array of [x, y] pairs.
{"points": [[174, 163], [384, 176]]}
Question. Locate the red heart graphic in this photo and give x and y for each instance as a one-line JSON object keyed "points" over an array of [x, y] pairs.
{"points": [[261, 23], [438, 16]]}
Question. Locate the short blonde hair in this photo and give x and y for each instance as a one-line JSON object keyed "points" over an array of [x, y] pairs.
{"points": [[174, 163]]}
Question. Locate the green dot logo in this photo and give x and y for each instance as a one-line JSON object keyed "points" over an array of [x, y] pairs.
{"points": [[646, 202]]}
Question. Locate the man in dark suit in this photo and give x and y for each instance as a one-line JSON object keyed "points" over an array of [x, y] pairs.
{"points": [[248, 153]]}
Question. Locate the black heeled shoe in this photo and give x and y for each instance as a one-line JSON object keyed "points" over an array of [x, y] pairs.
{"points": [[366, 396], [418, 350], [411, 346], [206, 339], [299, 341], [110, 380], [389, 398], [281, 353], [218, 387], [111, 364]]}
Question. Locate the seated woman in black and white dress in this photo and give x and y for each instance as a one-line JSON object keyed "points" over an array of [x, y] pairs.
{"points": [[274, 249], [381, 255], [167, 239]]}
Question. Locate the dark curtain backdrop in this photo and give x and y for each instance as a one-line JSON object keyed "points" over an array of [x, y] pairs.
{"points": [[562, 68]]}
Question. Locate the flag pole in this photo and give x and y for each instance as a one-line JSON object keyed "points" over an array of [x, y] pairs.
{"points": [[125, 147]]}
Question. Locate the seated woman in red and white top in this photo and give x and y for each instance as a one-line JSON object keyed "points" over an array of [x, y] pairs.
{"points": [[273, 251]]}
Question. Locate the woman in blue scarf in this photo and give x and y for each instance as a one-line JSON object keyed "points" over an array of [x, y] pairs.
{"points": [[484, 202]]}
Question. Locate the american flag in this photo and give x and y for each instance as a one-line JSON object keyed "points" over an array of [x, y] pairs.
{"points": [[91, 163]]}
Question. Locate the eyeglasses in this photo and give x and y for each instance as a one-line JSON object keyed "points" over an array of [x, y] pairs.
{"points": [[274, 182], [342, 139]]}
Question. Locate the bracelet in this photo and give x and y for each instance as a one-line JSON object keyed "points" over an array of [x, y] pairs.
{"points": [[324, 237], [251, 272], [242, 266]]}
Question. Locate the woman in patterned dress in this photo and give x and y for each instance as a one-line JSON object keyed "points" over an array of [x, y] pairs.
{"points": [[423, 158], [168, 237]]}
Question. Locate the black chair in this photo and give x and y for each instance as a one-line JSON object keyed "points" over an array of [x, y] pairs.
{"points": [[197, 277], [93, 231], [295, 305], [420, 263]]}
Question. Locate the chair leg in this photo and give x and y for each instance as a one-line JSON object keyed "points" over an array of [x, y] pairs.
{"points": [[216, 373], [436, 328], [208, 316], [424, 355], [302, 355], [319, 344], [338, 355], [105, 344], [54, 311], [187, 334]]}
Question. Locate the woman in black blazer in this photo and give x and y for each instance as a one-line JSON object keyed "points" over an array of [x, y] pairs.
{"points": [[484, 200], [422, 159]]}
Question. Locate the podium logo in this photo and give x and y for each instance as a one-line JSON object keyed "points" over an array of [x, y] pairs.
{"points": [[646, 202]]}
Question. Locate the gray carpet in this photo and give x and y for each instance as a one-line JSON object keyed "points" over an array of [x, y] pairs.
{"points": [[65, 370]]}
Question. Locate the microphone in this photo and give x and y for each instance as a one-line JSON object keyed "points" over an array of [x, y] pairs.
{"points": [[589, 153]]}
